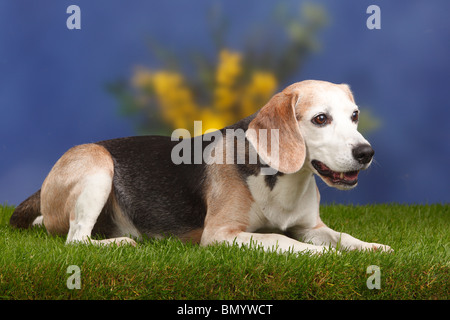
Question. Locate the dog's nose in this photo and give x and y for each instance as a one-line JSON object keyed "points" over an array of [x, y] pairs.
{"points": [[363, 153]]}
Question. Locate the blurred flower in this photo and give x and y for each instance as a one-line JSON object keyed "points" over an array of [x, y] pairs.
{"points": [[229, 67], [174, 98], [235, 84], [259, 90], [176, 103], [210, 121]]}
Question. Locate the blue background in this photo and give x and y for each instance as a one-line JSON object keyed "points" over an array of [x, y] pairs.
{"points": [[53, 82]]}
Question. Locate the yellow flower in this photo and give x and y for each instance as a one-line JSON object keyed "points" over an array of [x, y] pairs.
{"points": [[229, 67], [231, 99], [180, 122], [259, 90], [224, 98], [228, 70], [211, 121], [164, 83], [175, 99]]}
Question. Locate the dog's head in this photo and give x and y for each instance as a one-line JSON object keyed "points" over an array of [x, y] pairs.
{"points": [[317, 128]]}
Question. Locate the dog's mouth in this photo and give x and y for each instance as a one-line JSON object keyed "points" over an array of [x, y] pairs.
{"points": [[349, 178]]}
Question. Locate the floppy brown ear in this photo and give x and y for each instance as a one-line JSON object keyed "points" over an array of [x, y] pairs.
{"points": [[278, 113]]}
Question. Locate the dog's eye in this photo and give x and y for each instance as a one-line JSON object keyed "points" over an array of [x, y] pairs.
{"points": [[320, 119], [355, 116]]}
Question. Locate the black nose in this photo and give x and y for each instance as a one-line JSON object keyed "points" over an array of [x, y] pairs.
{"points": [[363, 153]]}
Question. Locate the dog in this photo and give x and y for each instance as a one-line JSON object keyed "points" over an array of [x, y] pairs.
{"points": [[122, 189]]}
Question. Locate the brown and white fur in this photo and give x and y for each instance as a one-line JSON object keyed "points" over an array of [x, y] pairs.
{"points": [[124, 188]]}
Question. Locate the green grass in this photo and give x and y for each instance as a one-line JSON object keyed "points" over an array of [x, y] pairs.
{"points": [[34, 265]]}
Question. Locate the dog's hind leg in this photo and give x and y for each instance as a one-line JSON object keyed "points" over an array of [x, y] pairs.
{"points": [[75, 192], [97, 188]]}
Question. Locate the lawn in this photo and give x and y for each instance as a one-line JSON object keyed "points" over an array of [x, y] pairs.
{"points": [[34, 265]]}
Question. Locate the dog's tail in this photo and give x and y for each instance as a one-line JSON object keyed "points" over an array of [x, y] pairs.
{"points": [[26, 212]]}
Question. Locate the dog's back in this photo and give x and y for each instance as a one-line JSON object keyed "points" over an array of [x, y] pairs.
{"points": [[158, 196]]}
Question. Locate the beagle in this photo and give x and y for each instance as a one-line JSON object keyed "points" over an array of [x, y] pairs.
{"points": [[124, 188]]}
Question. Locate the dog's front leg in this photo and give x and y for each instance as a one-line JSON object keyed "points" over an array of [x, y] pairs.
{"points": [[269, 242], [326, 236]]}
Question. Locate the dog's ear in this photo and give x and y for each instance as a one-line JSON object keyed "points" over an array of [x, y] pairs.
{"points": [[278, 114], [348, 91]]}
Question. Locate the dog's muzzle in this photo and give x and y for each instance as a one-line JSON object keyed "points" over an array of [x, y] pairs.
{"points": [[349, 178]]}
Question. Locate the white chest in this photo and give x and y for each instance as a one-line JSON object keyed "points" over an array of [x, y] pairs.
{"points": [[293, 201]]}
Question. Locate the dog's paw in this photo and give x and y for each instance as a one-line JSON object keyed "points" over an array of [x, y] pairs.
{"points": [[381, 247], [118, 241]]}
